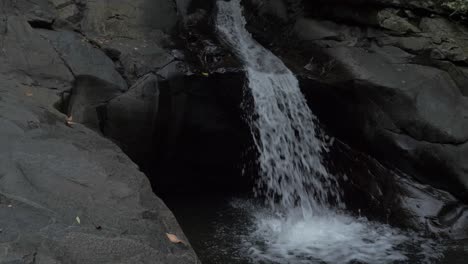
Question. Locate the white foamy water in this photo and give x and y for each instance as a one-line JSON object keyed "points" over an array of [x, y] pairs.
{"points": [[270, 238], [290, 162], [337, 239], [299, 226]]}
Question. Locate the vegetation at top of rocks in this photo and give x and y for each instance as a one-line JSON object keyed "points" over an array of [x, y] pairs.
{"points": [[457, 6]]}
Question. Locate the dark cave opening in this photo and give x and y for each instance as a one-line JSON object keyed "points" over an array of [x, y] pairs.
{"points": [[202, 140]]}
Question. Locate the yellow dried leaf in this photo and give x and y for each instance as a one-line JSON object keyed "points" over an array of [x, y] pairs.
{"points": [[28, 93], [205, 74], [174, 239]]}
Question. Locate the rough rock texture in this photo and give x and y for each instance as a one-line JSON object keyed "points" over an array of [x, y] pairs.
{"points": [[68, 195], [132, 32]]}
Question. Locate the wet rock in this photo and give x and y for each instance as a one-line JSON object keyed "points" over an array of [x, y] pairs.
{"points": [[381, 193]]}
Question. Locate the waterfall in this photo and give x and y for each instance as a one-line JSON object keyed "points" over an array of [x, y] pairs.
{"points": [[303, 226], [291, 167]]}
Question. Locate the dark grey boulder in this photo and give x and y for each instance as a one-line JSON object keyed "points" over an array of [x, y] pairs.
{"points": [[417, 99], [82, 58], [386, 194], [39, 11], [136, 33], [67, 195], [25, 52]]}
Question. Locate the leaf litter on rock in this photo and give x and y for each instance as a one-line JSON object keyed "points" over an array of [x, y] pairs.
{"points": [[174, 239]]}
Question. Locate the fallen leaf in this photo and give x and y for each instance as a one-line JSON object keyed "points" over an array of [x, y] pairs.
{"points": [[205, 74], [78, 220], [69, 122], [10, 206], [174, 239], [28, 93]]}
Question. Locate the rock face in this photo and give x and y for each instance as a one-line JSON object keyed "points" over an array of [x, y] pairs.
{"points": [[70, 196], [388, 76], [67, 194], [388, 195], [132, 32]]}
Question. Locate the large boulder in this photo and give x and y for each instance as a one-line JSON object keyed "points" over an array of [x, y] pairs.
{"points": [[70, 196], [40, 12], [82, 58], [25, 52], [386, 194]]}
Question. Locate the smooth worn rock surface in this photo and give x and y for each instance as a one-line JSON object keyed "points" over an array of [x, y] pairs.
{"points": [[67, 194], [25, 52], [82, 58], [70, 196]]}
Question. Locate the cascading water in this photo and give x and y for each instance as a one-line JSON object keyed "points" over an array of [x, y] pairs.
{"points": [[291, 166], [302, 227]]}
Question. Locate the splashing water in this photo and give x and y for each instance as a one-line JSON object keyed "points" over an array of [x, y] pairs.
{"points": [[302, 227]]}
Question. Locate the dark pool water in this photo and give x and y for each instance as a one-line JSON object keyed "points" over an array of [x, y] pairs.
{"points": [[226, 230]]}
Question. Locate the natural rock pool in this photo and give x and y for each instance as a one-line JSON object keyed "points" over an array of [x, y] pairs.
{"points": [[235, 231]]}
